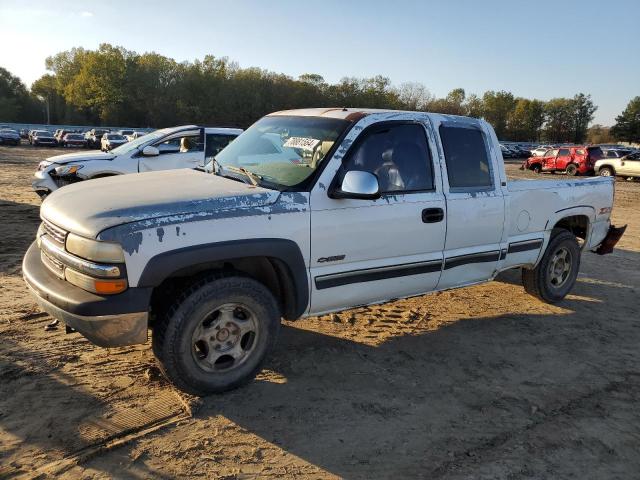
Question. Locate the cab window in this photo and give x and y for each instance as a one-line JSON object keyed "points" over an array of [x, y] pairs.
{"points": [[182, 144], [398, 154]]}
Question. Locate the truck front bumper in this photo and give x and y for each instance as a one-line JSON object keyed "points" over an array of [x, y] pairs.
{"points": [[107, 321]]}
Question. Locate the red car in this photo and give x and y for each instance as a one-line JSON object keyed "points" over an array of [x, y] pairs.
{"points": [[577, 160]]}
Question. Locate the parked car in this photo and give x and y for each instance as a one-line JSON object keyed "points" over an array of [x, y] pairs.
{"points": [[540, 151], [135, 135], [43, 137], [73, 140], [615, 153], [627, 166], [507, 152], [166, 149], [8, 136], [60, 134], [111, 140], [30, 137], [579, 160], [520, 151], [124, 133], [24, 133], [94, 137], [363, 207]]}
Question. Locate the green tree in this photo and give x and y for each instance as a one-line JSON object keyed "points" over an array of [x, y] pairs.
{"points": [[473, 106], [627, 127], [560, 118], [16, 104], [526, 120], [497, 106], [583, 110]]}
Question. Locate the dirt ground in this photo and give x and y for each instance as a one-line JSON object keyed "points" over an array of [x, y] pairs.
{"points": [[483, 382]]}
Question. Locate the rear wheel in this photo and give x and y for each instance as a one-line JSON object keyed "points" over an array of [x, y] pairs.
{"points": [[571, 170], [537, 168], [606, 172], [217, 334], [554, 276]]}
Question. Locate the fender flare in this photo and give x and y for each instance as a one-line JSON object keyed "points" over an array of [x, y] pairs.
{"points": [[583, 210], [162, 266], [609, 166]]}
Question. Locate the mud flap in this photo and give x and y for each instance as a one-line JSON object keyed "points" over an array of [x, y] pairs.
{"points": [[613, 235]]}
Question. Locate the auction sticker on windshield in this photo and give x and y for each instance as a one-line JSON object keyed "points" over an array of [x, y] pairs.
{"points": [[301, 142]]}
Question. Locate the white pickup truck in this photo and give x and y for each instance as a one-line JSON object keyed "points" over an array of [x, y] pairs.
{"points": [[170, 148], [355, 207]]}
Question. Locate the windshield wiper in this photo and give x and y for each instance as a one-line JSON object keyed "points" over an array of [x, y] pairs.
{"points": [[254, 178]]}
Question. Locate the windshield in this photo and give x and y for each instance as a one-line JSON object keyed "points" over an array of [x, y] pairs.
{"points": [[111, 136], [138, 142], [283, 151]]}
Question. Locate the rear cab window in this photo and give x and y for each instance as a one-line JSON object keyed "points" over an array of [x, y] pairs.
{"points": [[467, 159]]}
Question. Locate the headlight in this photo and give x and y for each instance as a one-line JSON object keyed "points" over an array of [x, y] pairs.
{"points": [[104, 252], [67, 170], [39, 234]]}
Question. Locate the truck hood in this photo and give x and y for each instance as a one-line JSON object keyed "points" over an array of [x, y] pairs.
{"points": [[80, 157], [87, 208]]}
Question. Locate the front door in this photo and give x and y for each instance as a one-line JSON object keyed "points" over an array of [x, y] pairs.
{"points": [[563, 159], [365, 251], [475, 206], [630, 165], [549, 161], [181, 150]]}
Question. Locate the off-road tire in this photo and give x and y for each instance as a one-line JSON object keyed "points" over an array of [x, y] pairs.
{"points": [[536, 169], [571, 170], [537, 281], [172, 340]]}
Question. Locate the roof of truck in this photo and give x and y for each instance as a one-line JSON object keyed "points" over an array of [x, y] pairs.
{"points": [[355, 114], [352, 114]]}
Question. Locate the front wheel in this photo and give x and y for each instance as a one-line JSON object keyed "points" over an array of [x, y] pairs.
{"points": [[217, 334], [557, 271], [536, 168]]}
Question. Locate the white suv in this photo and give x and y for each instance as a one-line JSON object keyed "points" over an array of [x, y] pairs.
{"points": [[170, 148]]}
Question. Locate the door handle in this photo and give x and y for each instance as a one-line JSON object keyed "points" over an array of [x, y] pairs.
{"points": [[432, 215]]}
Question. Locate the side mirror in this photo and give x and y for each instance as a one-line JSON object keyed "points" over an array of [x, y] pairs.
{"points": [[357, 184], [150, 151]]}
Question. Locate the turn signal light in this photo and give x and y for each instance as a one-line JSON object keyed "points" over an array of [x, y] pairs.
{"points": [[100, 286]]}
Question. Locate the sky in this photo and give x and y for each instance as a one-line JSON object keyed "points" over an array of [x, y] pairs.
{"points": [[534, 49]]}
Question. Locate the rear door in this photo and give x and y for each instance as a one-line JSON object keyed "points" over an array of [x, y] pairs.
{"points": [[180, 150], [365, 251], [475, 205]]}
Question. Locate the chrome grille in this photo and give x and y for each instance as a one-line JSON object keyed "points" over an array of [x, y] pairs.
{"points": [[53, 264], [57, 234]]}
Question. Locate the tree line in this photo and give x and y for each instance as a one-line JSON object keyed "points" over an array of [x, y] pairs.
{"points": [[115, 86]]}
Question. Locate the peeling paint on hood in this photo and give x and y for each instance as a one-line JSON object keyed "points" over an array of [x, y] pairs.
{"points": [[89, 207]]}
